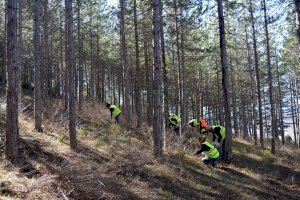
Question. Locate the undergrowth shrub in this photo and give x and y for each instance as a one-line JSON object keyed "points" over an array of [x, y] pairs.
{"points": [[270, 158]]}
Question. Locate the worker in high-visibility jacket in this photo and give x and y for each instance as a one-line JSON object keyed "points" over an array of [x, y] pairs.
{"points": [[174, 122], [219, 135], [210, 152], [115, 112], [201, 125]]}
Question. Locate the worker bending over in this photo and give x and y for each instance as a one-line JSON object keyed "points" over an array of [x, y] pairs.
{"points": [[174, 122], [210, 152], [219, 134], [201, 125], [115, 112]]}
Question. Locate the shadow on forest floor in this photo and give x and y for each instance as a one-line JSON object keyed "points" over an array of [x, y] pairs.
{"points": [[130, 173]]}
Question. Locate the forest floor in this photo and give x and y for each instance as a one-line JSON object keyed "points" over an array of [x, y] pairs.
{"points": [[114, 163]]}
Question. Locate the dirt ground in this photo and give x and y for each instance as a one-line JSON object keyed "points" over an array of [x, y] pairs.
{"points": [[112, 163]]}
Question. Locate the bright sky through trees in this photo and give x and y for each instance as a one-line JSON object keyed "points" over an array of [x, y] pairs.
{"points": [[112, 2]]}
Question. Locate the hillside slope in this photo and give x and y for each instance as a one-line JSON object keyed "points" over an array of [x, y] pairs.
{"points": [[113, 163]]}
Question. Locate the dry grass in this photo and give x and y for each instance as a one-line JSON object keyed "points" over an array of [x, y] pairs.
{"points": [[112, 163]]}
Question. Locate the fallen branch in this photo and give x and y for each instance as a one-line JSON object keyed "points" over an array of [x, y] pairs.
{"points": [[101, 183], [65, 197]]}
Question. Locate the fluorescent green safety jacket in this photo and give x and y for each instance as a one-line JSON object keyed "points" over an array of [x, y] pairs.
{"points": [[194, 122], [223, 131], [117, 111], [174, 119], [213, 152]]}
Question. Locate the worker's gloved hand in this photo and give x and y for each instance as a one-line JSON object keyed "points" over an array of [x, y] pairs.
{"points": [[216, 144], [203, 154]]}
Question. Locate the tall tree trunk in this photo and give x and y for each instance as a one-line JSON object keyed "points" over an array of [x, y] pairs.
{"points": [[12, 124], [270, 79], [4, 71], [164, 63], [297, 82], [253, 94], [280, 102], [157, 86], [184, 101], [178, 81], [80, 56], [65, 74], [149, 71], [99, 67], [260, 113], [297, 4], [234, 103], [293, 110], [37, 66], [70, 64], [47, 66], [228, 145], [297, 108], [125, 64], [20, 52], [92, 61], [138, 103]]}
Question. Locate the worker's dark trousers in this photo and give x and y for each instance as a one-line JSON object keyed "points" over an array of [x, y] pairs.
{"points": [[117, 118], [223, 149], [209, 161], [176, 129]]}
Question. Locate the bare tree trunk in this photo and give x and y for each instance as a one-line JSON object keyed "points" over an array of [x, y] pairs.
{"points": [[228, 144], [184, 101], [297, 4], [70, 63], [125, 64], [234, 103], [280, 103], [138, 102], [270, 78], [37, 67], [260, 113], [12, 124], [253, 94], [4, 74], [149, 71], [265, 115], [297, 108], [97, 69], [179, 78], [165, 77], [92, 61], [61, 57], [157, 86], [65, 78], [297, 82], [293, 110], [20, 52], [47, 65], [234, 89], [80, 56]]}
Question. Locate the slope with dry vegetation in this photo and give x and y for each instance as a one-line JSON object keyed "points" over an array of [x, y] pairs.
{"points": [[116, 163]]}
